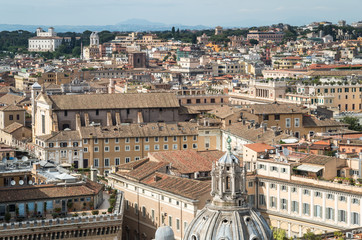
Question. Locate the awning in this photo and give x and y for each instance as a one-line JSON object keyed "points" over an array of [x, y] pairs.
{"points": [[309, 168]]}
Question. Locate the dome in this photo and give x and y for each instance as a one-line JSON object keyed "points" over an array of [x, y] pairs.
{"points": [[228, 223], [229, 216], [164, 233]]}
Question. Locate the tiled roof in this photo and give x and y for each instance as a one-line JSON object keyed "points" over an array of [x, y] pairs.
{"points": [[11, 99], [13, 127], [276, 108], [317, 159], [11, 108], [185, 187], [114, 101], [187, 161], [140, 130], [224, 112], [259, 147], [43, 192], [144, 170], [60, 136], [311, 121]]}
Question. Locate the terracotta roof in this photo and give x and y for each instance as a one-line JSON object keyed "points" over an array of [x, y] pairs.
{"points": [[185, 187], [224, 112], [317, 159], [114, 101], [259, 147], [11, 108], [140, 130], [40, 192], [311, 121], [11, 99], [352, 142], [187, 161], [13, 127], [60, 136], [276, 108]]}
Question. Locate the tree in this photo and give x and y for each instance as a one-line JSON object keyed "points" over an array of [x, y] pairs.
{"points": [[173, 31], [253, 41], [353, 123], [194, 39], [279, 234], [310, 236]]}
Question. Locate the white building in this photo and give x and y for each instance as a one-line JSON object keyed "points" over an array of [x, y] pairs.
{"points": [[45, 41]]}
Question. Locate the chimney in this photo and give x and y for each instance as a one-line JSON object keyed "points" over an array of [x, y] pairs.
{"points": [[243, 122], [93, 174], [265, 126]]}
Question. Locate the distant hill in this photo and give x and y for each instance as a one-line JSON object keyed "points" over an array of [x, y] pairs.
{"points": [[131, 25]]}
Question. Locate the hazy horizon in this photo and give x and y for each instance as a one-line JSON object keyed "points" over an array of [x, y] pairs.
{"points": [[228, 13]]}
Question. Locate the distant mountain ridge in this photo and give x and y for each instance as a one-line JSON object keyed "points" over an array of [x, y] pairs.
{"points": [[134, 25]]}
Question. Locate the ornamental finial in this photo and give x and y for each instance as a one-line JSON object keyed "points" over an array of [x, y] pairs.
{"points": [[229, 145]]}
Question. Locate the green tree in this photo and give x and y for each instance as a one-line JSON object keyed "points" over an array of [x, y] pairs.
{"points": [[279, 234], [194, 39], [173, 31], [353, 123], [253, 41], [309, 235]]}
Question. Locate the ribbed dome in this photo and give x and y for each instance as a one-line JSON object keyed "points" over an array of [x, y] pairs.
{"points": [[223, 223], [164, 233]]}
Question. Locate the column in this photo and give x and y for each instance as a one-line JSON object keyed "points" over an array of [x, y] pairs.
{"points": [[289, 202], [312, 203], [335, 209], [300, 202], [349, 210], [289, 234], [267, 196], [324, 206], [278, 197]]}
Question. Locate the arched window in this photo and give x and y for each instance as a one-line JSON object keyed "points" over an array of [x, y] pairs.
{"points": [[227, 183]]}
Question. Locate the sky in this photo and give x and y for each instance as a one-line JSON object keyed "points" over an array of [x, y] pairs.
{"points": [[238, 13]]}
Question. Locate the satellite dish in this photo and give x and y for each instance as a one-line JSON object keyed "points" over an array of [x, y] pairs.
{"points": [[271, 151], [15, 159], [30, 182], [261, 156], [21, 182], [13, 182], [286, 152], [24, 158]]}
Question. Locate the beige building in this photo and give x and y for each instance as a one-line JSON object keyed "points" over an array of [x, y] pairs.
{"points": [[11, 114], [106, 147], [155, 196]]}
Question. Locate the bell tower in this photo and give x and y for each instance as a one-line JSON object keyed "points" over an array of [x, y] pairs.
{"points": [[228, 181]]}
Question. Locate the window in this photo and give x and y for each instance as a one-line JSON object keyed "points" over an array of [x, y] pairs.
{"points": [[184, 146], [51, 145], [185, 138], [11, 117], [97, 112], [261, 184], [137, 147], [147, 139], [284, 204], [274, 169], [262, 200], [106, 149], [147, 147], [250, 184], [127, 140], [136, 208], [287, 122], [75, 144], [143, 211], [96, 141], [127, 159], [330, 196], [165, 139], [262, 166], [96, 162], [273, 186], [174, 146], [137, 158], [117, 161], [318, 211], [96, 149], [277, 117], [178, 224], [355, 201], [156, 139], [306, 209], [284, 188], [63, 144], [116, 148], [318, 194], [283, 170], [273, 202], [116, 140], [153, 215], [165, 147], [175, 139], [137, 139], [170, 221], [342, 216], [355, 218], [127, 148], [329, 213], [17, 117], [194, 145], [185, 225], [85, 141], [106, 140], [295, 206], [306, 192], [106, 162], [157, 147], [342, 198], [294, 189], [265, 117], [296, 122], [85, 149]]}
